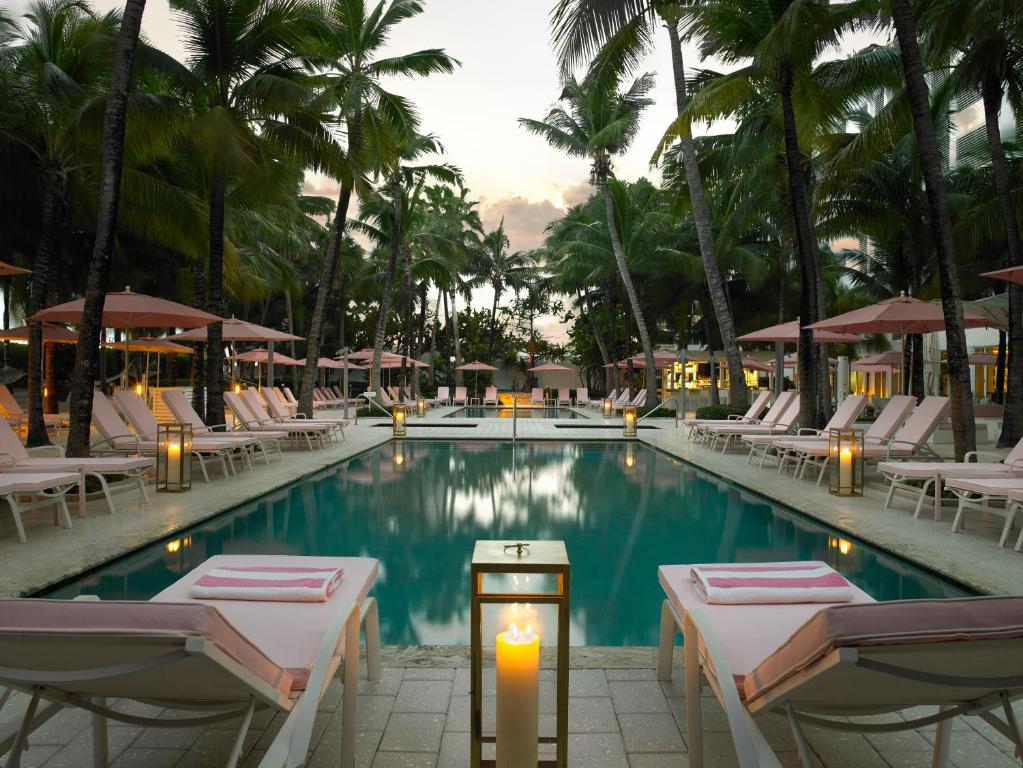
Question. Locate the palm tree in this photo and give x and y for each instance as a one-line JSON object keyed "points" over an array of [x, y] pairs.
{"points": [[373, 118], [598, 122], [496, 267], [625, 29], [963, 428], [83, 378], [250, 101]]}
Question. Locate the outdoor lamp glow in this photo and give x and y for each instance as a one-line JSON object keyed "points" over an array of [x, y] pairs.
{"points": [[174, 457], [607, 407], [629, 416], [845, 455], [420, 407], [138, 389], [399, 417]]}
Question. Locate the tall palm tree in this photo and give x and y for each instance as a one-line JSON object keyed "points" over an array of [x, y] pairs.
{"points": [[501, 270], [250, 100], [599, 122], [963, 427], [373, 117], [625, 28]]}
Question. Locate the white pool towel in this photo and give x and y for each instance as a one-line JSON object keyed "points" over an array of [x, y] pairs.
{"points": [[280, 583], [751, 583]]}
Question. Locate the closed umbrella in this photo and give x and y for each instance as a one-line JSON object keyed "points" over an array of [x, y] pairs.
{"points": [[476, 366]]}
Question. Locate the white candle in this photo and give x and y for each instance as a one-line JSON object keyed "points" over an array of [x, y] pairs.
{"points": [[845, 469], [518, 697], [173, 461]]}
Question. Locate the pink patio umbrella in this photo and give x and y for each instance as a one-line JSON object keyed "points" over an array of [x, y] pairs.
{"points": [[150, 345], [238, 330], [899, 315], [52, 334], [9, 269], [1010, 274], [476, 366], [756, 365], [327, 362], [262, 357], [543, 367], [788, 333]]}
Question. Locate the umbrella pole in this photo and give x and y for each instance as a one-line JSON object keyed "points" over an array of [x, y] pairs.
{"points": [[344, 377]]}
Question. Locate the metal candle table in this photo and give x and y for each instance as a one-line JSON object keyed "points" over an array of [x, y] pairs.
{"points": [[512, 559]]}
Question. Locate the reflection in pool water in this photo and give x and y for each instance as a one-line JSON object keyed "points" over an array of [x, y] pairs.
{"points": [[419, 506], [477, 412]]}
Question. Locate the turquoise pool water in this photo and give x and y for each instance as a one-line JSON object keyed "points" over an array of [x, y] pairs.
{"points": [[476, 412], [419, 506]]}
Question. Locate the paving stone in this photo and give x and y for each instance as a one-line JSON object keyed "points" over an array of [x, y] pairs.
{"points": [[428, 673], [328, 752], [62, 728], [631, 674], [168, 738], [413, 732], [387, 684], [78, 751], [970, 749], [149, 758], [454, 750], [373, 712], [213, 746], [36, 755], [650, 733], [587, 682], [405, 760], [458, 714], [591, 715], [331, 699], [638, 696], [674, 688], [838, 749], [596, 750], [423, 696], [899, 741], [664, 760], [253, 759], [461, 681]]}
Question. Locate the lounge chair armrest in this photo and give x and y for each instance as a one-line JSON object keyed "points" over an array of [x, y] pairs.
{"points": [[891, 443], [87, 598], [1017, 464], [976, 456], [109, 441], [734, 416], [809, 431], [45, 450], [8, 458]]}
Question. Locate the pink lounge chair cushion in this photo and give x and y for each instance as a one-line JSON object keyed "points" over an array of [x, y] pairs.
{"points": [[999, 486], [32, 482], [926, 469], [139, 619], [93, 464], [900, 622], [289, 633], [748, 633]]}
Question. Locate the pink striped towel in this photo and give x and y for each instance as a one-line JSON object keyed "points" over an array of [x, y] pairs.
{"points": [[280, 583], [750, 583]]}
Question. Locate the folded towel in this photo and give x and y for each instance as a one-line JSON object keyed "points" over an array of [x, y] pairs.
{"points": [[274, 583], [751, 583]]}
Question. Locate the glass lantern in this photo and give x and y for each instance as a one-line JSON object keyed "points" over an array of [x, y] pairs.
{"points": [[420, 407], [174, 457], [845, 456], [520, 600], [629, 414], [607, 407], [399, 419]]}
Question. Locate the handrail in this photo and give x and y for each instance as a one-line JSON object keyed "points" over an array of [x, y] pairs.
{"points": [[369, 401], [515, 417], [672, 400]]}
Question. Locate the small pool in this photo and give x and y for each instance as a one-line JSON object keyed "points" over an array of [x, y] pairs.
{"points": [[490, 412], [418, 506]]}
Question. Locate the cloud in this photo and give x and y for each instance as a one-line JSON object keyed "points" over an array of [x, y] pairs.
{"points": [[524, 221], [576, 194]]}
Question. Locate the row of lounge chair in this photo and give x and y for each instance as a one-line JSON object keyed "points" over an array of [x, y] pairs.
{"points": [[619, 400]]}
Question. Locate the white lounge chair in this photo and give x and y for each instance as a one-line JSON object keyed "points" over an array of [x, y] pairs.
{"points": [[461, 396], [536, 396], [702, 429], [840, 666], [842, 418], [443, 397], [638, 401], [45, 489], [752, 415], [908, 442], [582, 396], [17, 415], [564, 396], [599, 404], [283, 418], [253, 415], [731, 435], [204, 661], [906, 475], [978, 493], [490, 396], [183, 411]]}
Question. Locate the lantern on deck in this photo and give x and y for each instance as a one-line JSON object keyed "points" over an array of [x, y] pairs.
{"points": [[399, 418], [845, 455], [420, 407], [519, 600], [174, 457], [607, 407], [629, 415]]}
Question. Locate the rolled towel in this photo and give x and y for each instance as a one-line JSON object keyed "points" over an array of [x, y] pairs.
{"points": [[752, 583], [291, 584]]}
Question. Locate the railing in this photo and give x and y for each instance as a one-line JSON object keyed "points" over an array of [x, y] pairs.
{"points": [[672, 400], [363, 398], [515, 418]]}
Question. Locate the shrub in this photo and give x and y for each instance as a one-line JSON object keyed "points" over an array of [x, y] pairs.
{"points": [[719, 411]]}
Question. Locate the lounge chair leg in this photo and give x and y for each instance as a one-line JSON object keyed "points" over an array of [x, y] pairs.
{"points": [[1019, 542], [824, 467], [239, 741], [350, 695], [371, 626], [142, 487], [1010, 515], [891, 494], [923, 495], [16, 512], [694, 712], [667, 641], [960, 513], [202, 466], [100, 742], [21, 738], [942, 743], [797, 733], [105, 487], [1012, 724]]}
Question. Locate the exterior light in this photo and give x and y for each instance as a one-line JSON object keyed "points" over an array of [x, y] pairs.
{"points": [[237, 388], [174, 458], [420, 407], [845, 455], [629, 416], [607, 407], [399, 417], [138, 389], [399, 455]]}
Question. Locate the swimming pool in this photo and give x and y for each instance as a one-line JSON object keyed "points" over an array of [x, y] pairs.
{"points": [[478, 412], [622, 510]]}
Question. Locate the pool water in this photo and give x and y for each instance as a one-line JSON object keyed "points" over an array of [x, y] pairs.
{"points": [[418, 506], [478, 412]]}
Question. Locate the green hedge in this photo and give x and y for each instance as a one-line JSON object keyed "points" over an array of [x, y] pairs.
{"points": [[719, 411]]}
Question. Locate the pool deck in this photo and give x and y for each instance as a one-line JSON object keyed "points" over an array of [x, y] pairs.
{"points": [[417, 716]]}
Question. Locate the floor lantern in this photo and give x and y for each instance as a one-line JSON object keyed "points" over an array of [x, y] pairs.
{"points": [[519, 602], [174, 457], [420, 407], [607, 407], [845, 455], [629, 416], [399, 419]]}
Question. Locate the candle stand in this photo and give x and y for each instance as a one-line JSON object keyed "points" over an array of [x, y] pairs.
{"points": [[845, 454], [515, 577]]}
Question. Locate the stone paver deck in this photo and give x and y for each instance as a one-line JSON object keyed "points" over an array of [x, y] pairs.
{"points": [[418, 717]]}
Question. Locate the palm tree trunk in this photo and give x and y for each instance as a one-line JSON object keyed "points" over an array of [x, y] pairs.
{"points": [[1012, 418], [83, 379], [41, 273], [493, 321], [737, 392], [385, 299], [806, 251], [963, 425], [598, 335], [433, 340], [199, 358], [328, 272], [215, 301], [630, 292], [292, 370], [459, 375], [406, 258]]}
